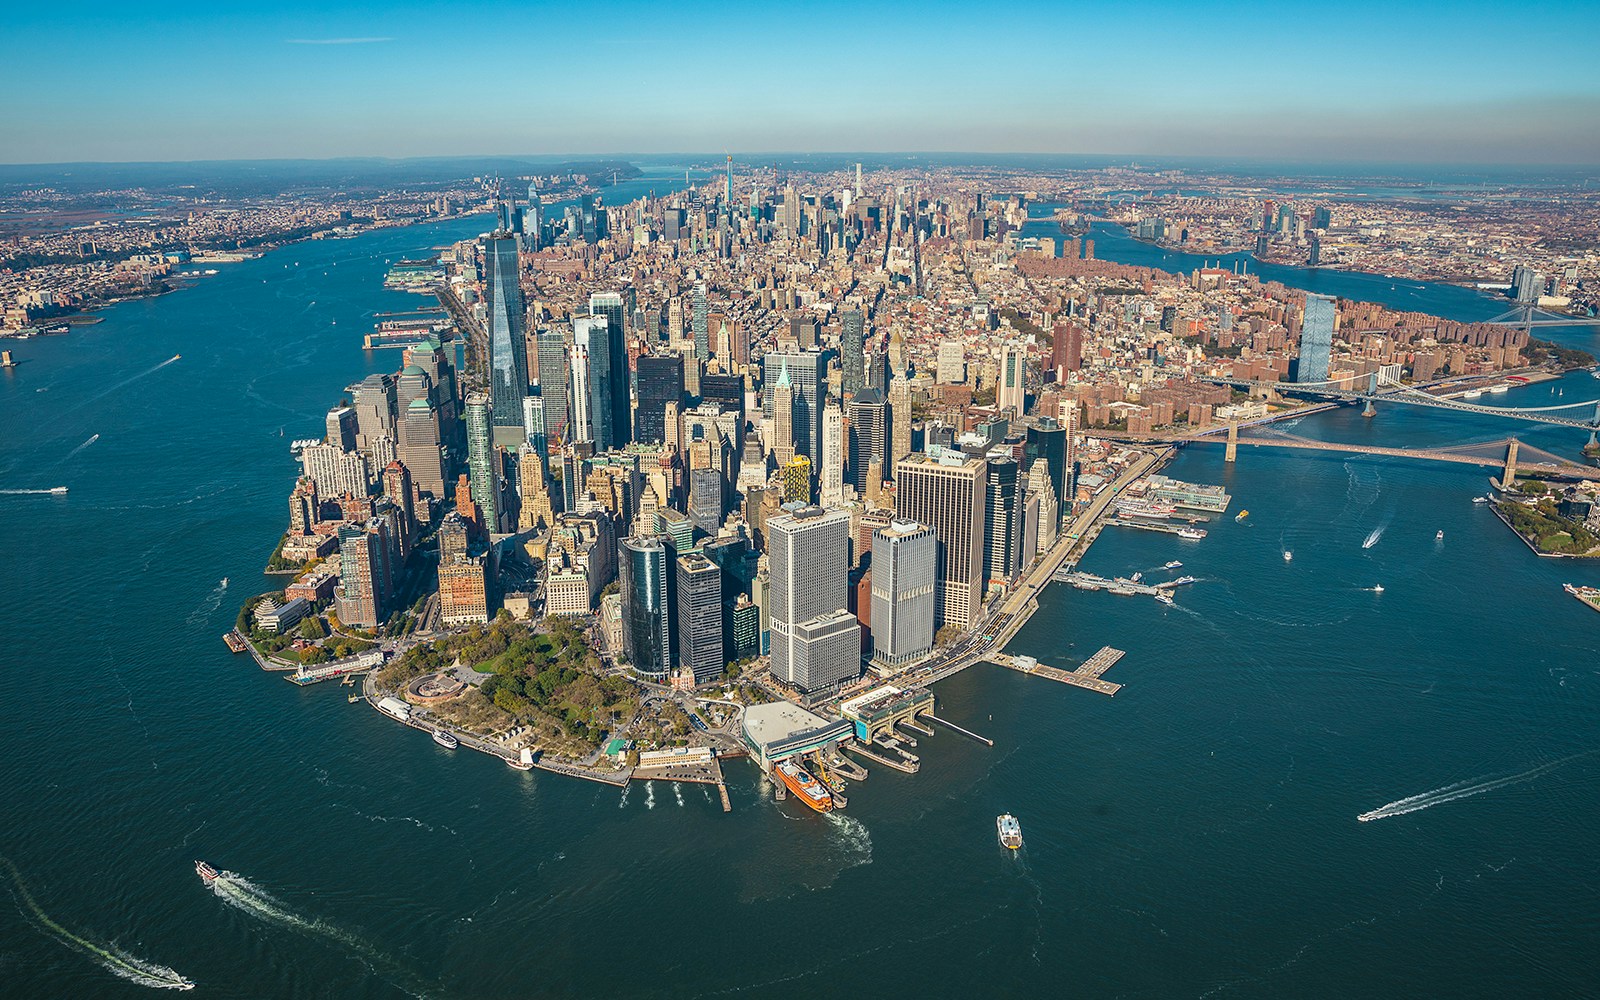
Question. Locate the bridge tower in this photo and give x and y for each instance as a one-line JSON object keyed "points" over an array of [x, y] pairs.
{"points": [[1508, 480], [1233, 441], [1369, 410]]}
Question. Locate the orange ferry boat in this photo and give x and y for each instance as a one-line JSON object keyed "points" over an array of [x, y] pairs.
{"points": [[806, 788]]}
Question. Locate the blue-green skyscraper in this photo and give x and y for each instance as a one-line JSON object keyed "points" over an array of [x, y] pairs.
{"points": [[508, 341]]}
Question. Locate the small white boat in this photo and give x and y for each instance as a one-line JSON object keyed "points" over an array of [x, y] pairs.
{"points": [[446, 740], [1377, 588], [1288, 556], [1009, 829], [1438, 536]]}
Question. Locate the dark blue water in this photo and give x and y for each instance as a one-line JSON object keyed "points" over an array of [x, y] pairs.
{"points": [[1194, 836]]}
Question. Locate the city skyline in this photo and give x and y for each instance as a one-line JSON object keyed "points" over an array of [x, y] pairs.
{"points": [[1400, 83]]}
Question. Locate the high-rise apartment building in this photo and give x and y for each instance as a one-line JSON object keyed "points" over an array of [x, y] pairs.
{"points": [[701, 328], [899, 421], [852, 346], [1009, 393], [366, 579], [951, 367]]}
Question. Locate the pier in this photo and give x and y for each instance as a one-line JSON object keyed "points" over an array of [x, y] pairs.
{"points": [[902, 762], [696, 769], [1183, 530], [1086, 676]]}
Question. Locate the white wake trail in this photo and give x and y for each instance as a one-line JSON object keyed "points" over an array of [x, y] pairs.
{"points": [[1462, 790]]}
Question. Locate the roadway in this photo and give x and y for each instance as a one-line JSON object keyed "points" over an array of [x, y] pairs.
{"points": [[1006, 618]]}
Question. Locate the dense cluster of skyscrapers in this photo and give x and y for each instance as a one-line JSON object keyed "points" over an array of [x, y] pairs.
{"points": [[712, 488]]}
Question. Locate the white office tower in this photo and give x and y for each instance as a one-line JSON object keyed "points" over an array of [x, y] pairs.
{"points": [[816, 641], [905, 558]]}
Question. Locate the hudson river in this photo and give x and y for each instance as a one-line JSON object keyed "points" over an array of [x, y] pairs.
{"points": [[1194, 836]]}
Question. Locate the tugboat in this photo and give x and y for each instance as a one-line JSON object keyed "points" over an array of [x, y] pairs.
{"points": [[1010, 831], [446, 740], [207, 873]]}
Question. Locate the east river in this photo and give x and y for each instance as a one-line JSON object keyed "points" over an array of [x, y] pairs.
{"points": [[1196, 835]]}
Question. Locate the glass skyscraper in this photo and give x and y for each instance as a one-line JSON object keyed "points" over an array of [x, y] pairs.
{"points": [[553, 381], [1316, 340], [508, 348], [851, 344], [660, 383], [612, 306], [646, 626], [482, 473]]}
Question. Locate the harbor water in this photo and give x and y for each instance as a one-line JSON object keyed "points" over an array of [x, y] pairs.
{"points": [[1197, 835]]}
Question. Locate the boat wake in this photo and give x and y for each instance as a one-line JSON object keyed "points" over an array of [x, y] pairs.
{"points": [[125, 382], [112, 958], [240, 893], [26, 493], [853, 836], [649, 795], [1372, 538], [1463, 789], [244, 895], [92, 439], [677, 790]]}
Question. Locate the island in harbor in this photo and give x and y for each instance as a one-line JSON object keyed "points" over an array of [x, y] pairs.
{"points": [[645, 489]]}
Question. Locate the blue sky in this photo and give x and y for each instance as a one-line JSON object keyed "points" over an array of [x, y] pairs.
{"points": [[1418, 82]]}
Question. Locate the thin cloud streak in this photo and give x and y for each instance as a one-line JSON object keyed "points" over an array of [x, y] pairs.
{"points": [[336, 41]]}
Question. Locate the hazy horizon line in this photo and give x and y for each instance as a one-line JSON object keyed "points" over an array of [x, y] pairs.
{"points": [[754, 156]]}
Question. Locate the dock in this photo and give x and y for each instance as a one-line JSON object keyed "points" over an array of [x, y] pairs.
{"points": [[904, 762], [1122, 585], [1086, 676], [1183, 530]]}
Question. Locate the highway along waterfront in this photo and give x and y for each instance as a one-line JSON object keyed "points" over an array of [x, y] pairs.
{"points": [[1196, 834]]}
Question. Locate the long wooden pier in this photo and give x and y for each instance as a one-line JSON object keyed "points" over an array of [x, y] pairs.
{"points": [[1086, 676]]}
